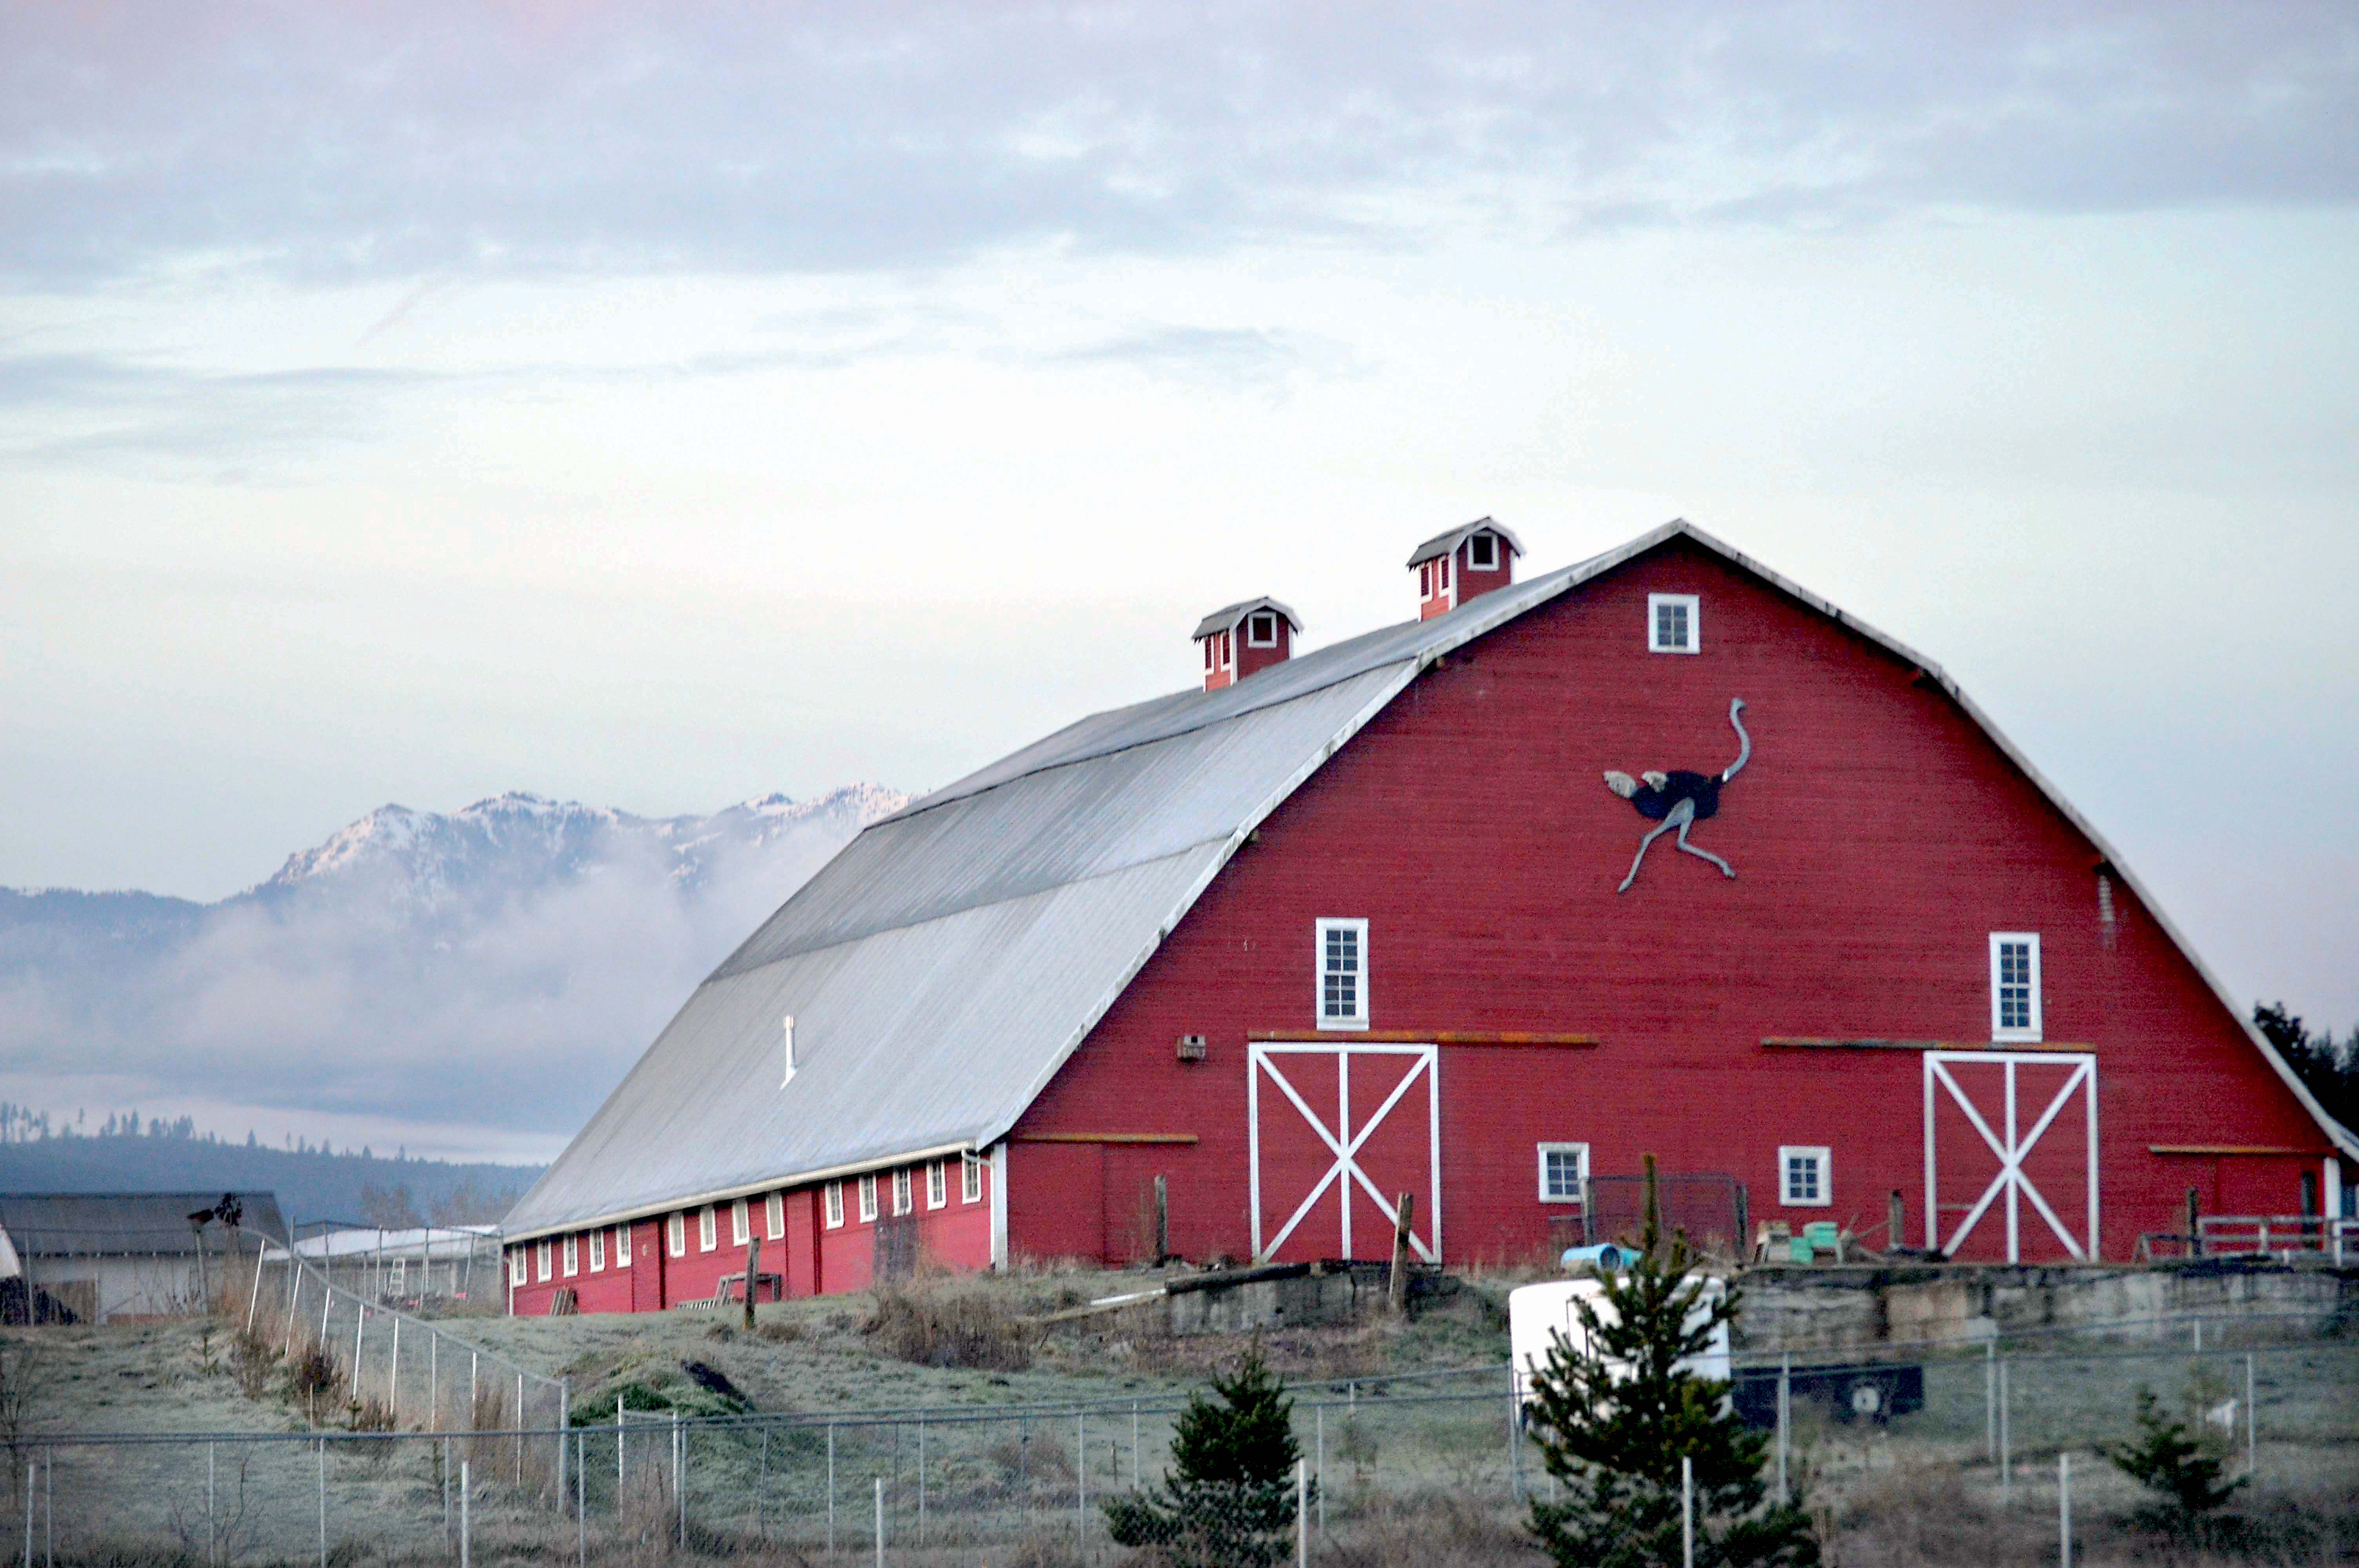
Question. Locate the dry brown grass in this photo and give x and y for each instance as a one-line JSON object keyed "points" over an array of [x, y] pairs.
{"points": [[932, 1323]]}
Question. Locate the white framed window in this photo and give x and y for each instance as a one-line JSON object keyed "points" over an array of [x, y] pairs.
{"points": [[572, 1256], [1425, 580], [708, 1230], [597, 1251], [834, 1202], [1208, 653], [678, 1228], [540, 1259], [1442, 574], [1564, 1170], [970, 1179], [741, 1223], [868, 1199], [515, 1266], [622, 1247], [1806, 1176], [1341, 999], [2014, 985], [774, 1216], [1674, 623], [1261, 630], [902, 1201], [1483, 553], [937, 1186]]}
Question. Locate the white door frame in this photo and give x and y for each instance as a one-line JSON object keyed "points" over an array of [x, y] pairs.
{"points": [[1342, 1141], [2011, 1149]]}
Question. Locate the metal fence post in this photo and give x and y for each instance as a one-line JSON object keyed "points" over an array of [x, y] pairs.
{"points": [[519, 1433], [922, 1478], [434, 1380], [830, 1486], [679, 1474], [1990, 1401], [2252, 1422], [323, 1502], [212, 1534], [1081, 1479], [2005, 1459], [1133, 1444], [1687, 1511], [580, 1496], [1322, 1413], [1785, 1422], [564, 1421], [1301, 1515], [762, 1491], [393, 1376], [2064, 1509], [880, 1522], [466, 1523]]}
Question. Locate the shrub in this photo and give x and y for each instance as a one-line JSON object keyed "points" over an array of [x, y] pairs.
{"points": [[2164, 1458], [934, 1327], [1229, 1497]]}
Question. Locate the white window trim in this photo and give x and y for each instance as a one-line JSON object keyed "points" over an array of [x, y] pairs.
{"points": [[572, 1255], [774, 1216], [1254, 623], [741, 1223], [970, 1179], [517, 1266], [1580, 1152], [867, 1200], [2031, 1034], [1694, 604], [1486, 543], [708, 1229], [834, 1202], [904, 1192], [676, 1234], [540, 1260], [1825, 1157], [937, 1186], [597, 1251], [1319, 973], [622, 1247]]}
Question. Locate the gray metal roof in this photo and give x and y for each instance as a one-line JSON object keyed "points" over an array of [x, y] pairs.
{"points": [[945, 964], [1228, 615], [88, 1224], [1442, 543]]}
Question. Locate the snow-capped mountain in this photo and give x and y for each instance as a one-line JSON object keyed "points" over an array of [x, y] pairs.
{"points": [[496, 966]]}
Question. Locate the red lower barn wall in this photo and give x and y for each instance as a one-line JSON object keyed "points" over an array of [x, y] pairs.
{"points": [[814, 1258], [1879, 838]]}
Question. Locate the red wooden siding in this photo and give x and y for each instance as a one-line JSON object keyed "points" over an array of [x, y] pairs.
{"points": [[1879, 838]]}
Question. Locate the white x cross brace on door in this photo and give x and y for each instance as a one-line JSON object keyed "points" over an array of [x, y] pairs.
{"points": [[1344, 1142], [2011, 1146]]}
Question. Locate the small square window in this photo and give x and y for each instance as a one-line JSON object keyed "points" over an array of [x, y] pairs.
{"points": [[708, 1234], [1442, 574], [597, 1251], [1261, 630], [1342, 974], [902, 1202], [572, 1256], [1674, 623], [835, 1205], [774, 1212], [1805, 1175], [541, 1258], [971, 1179], [1483, 553], [622, 1247], [677, 1237], [515, 1266], [937, 1186], [868, 1199], [1564, 1170], [2014, 985], [741, 1223]]}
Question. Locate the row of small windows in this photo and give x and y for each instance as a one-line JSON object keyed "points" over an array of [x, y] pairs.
{"points": [[938, 1191], [1805, 1174]]}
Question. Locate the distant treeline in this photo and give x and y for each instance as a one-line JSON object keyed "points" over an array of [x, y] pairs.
{"points": [[313, 1182], [2328, 1065]]}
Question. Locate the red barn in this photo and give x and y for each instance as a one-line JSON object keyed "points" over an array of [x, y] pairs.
{"points": [[1659, 853]]}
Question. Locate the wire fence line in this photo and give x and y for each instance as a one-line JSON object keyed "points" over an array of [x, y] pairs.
{"points": [[984, 1482]]}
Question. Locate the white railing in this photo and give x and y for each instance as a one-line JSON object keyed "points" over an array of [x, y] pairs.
{"points": [[2281, 1236]]}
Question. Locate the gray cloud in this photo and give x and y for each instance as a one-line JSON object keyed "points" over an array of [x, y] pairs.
{"points": [[460, 140]]}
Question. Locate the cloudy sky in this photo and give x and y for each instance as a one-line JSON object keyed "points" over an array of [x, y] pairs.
{"points": [[662, 405]]}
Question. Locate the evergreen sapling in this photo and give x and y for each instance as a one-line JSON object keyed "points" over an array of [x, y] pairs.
{"points": [[1229, 1495]]}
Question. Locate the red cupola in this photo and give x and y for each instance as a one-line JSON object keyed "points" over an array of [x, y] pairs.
{"points": [[1458, 566], [1239, 639]]}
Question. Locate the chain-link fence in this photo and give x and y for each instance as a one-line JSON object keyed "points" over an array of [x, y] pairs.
{"points": [[1010, 1482]]}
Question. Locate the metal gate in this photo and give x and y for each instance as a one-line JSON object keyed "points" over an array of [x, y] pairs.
{"points": [[2003, 1127], [1325, 1189]]}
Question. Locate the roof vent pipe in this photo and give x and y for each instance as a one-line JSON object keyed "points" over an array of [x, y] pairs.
{"points": [[1238, 639]]}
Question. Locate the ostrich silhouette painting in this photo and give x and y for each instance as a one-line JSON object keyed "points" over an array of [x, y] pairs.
{"points": [[1680, 800]]}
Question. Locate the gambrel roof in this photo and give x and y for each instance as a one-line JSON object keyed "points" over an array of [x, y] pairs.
{"points": [[945, 965], [1443, 543], [1228, 615]]}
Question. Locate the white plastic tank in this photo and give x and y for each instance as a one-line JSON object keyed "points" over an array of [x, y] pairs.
{"points": [[1536, 1314]]}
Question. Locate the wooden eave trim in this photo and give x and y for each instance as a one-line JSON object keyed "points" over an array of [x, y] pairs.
{"points": [[1102, 1138], [1420, 1037], [1795, 1043], [2232, 1149]]}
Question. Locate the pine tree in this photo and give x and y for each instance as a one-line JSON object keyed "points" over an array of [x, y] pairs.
{"points": [[1615, 1420], [1229, 1497], [2164, 1458]]}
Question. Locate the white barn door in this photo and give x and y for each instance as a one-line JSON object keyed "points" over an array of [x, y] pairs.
{"points": [[2011, 1154], [1334, 1133]]}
